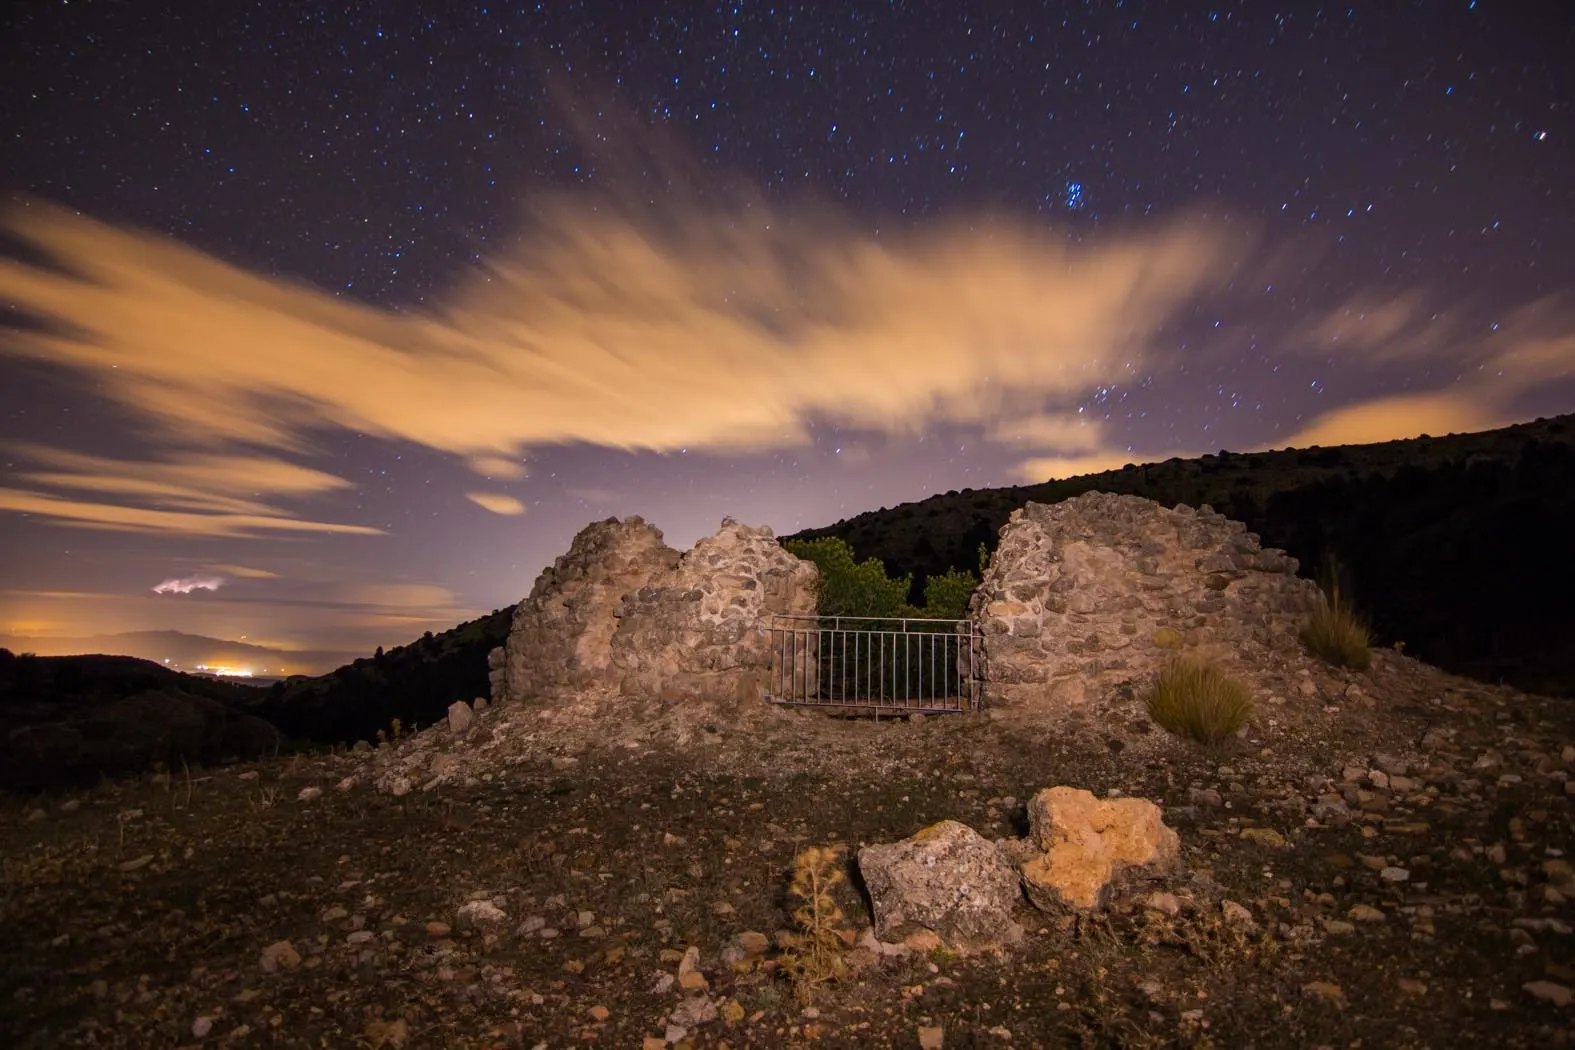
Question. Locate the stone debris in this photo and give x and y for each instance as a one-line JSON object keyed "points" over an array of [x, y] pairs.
{"points": [[460, 717], [946, 878], [1086, 844], [280, 955], [480, 913]]}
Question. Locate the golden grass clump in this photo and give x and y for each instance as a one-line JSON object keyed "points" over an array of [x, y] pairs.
{"points": [[1336, 635], [1199, 701], [814, 955]]}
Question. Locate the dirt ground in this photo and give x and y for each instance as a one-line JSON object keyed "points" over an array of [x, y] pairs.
{"points": [[227, 908]]}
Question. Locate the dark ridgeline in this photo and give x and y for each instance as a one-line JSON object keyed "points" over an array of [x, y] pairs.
{"points": [[1461, 547], [71, 719]]}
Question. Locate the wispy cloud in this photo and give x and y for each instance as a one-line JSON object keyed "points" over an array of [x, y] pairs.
{"points": [[187, 584], [719, 331], [246, 572], [496, 502]]}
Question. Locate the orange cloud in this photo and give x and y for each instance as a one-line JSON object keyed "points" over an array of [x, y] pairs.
{"points": [[140, 519], [1395, 418], [496, 502], [726, 334]]}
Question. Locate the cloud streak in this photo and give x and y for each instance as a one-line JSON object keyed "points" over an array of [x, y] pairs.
{"points": [[724, 332], [188, 584]]}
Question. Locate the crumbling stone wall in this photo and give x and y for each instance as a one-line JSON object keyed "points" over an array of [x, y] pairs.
{"points": [[1084, 595], [622, 612], [561, 640], [697, 632]]}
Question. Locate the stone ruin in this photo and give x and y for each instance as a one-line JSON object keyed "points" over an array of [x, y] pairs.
{"points": [[623, 614], [1090, 595], [1081, 599]]}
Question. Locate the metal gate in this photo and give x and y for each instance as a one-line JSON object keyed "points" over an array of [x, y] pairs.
{"points": [[875, 665]]}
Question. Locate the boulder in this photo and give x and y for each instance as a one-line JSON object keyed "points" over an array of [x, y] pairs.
{"points": [[947, 878], [1087, 844]]}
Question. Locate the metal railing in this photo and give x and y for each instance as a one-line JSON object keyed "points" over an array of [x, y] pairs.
{"points": [[875, 664]]}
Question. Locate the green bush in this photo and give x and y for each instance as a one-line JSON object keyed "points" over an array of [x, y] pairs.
{"points": [[849, 587], [1199, 701], [946, 596], [1337, 636]]}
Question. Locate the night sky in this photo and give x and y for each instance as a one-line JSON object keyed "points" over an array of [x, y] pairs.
{"points": [[331, 324]]}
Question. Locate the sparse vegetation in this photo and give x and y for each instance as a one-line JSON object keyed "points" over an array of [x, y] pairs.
{"points": [[814, 954], [1338, 636], [1199, 701], [1334, 632]]}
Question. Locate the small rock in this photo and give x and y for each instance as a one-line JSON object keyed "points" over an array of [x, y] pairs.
{"points": [[1365, 913], [931, 1038], [599, 1013], [201, 1027], [753, 942], [1325, 992], [1548, 992], [694, 1012], [478, 913], [437, 929], [280, 955], [1263, 837], [309, 793], [1237, 914], [136, 864], [1164, 903], [1411, 986], [1393, 874], [923, 940], [459, 717]]}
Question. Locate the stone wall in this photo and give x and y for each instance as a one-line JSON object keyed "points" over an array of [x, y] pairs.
{"points": [[697, 632], [622, 612], [1093, 592], [561, 641]]}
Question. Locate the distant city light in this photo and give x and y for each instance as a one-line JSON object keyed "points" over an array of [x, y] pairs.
{"points": [[226, 672]]}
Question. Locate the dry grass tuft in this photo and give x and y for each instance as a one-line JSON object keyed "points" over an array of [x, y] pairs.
{"points": [[1199, 701], [1337, 636]]}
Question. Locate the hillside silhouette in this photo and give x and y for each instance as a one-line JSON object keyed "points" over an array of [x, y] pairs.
{"points": [[1459, 547], [72, 719], [414, 683]]}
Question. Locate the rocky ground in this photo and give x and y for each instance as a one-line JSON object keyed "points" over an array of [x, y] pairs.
{"points": [[1384, 860]]}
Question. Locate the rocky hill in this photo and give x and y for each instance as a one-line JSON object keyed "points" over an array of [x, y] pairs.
{"points": [[1456, 546]]}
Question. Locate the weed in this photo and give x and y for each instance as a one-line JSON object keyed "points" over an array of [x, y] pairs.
{"points": [[814, 955], [1337, 636], [1199, 701]]}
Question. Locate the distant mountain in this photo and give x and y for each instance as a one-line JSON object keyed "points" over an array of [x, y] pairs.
{"points": [[72, 719], [1461, 547], [414, 683], [187, 652], [69, 719]]}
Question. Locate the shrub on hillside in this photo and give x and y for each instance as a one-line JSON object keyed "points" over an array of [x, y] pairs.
{"points": [[1337, 636], [1199, 701], [946, 596], [849, 587], [1334, 632]]}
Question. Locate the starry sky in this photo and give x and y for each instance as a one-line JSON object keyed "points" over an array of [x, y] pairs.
{"points": [[329, 324]]}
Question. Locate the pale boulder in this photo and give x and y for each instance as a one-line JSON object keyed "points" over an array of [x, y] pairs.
{"points": [[1087, 844]]}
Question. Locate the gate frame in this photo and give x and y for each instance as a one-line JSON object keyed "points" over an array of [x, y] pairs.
{"points": [[796, 655]]}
